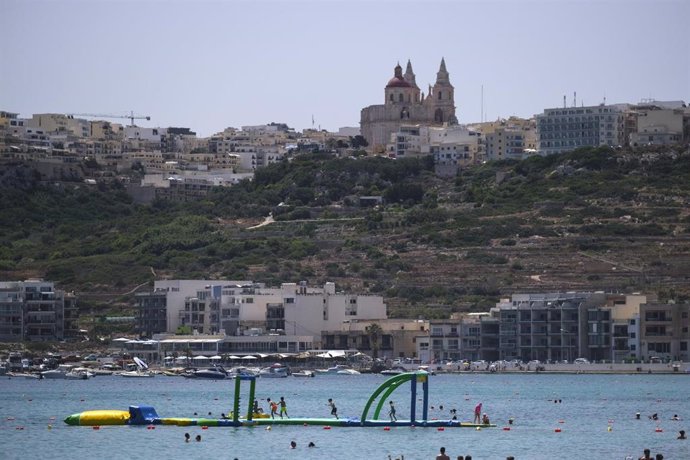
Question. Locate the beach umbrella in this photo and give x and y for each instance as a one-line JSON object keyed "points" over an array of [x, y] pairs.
{"points": [[233, 357], [248, 357], [216, 358], [200, 358]]}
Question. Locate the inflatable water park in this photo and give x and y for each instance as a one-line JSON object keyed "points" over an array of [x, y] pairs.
{"points": [[147, 415]]}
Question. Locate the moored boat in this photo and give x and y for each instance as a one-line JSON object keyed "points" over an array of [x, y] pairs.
{"points": [[304, 373]]}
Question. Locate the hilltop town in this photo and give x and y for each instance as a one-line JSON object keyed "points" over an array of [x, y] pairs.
{"points": [[441, 237]]}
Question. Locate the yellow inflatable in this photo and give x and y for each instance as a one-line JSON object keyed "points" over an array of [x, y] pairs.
{"points": [[100, 417]]}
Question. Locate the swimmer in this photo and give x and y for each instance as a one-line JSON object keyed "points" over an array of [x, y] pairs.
{"points": [[293, 444], [198, 438], [442, 455], [186, 437], [675, 417], [646, 456], [637, 415], [681, 434], [311, 444]]}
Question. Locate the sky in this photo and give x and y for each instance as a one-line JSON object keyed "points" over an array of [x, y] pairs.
{"points": [[208, 65]]}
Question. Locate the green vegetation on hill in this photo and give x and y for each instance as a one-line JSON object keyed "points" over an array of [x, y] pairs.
{"points": [[589, 219]]}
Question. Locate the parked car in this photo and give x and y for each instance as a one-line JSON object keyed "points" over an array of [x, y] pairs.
{"points": [[581, 361]]}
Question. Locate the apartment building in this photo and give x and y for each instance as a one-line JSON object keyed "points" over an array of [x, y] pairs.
{"points": [[233, 307], [565, 129], [395, 339], [56, 123], [34, 310], [655, 125], [664, 331]]}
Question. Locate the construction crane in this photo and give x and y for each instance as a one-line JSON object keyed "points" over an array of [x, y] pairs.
{"points": [[131, 116]]}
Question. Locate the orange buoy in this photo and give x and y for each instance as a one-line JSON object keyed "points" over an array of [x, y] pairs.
{"points": [[96, 427], [440, 429], [204, 427], [386, 428], [557, 430], [506, 428], [658, 430], [327, 427]]}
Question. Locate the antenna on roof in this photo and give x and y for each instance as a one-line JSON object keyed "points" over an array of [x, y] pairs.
{"points": [[482, 117], [574, 98], [564, 101]]}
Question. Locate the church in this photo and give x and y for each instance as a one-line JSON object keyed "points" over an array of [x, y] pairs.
{"points": [[405, 104]]}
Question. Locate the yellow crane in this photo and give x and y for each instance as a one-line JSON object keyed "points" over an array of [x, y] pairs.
{"points": [[131, 116]]}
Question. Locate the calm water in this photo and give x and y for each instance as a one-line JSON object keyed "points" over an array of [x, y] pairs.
{"points": [[590, 403]]}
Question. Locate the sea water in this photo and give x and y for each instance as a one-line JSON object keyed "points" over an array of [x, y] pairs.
{"points": [[595, 415]]}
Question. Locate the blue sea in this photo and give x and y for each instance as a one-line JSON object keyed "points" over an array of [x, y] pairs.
{"points": [[32, 411]]}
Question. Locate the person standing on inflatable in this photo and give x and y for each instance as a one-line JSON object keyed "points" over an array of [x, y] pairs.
{"points": [[478, 413], [274, 407]]}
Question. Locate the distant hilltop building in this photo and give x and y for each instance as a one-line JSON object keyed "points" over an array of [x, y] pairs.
{"points": [[405, 104]]}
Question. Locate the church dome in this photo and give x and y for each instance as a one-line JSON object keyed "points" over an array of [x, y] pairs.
{"points": [[397, 82]]}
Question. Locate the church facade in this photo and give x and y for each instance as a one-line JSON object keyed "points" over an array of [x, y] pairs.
{"points": [[405, 104]]}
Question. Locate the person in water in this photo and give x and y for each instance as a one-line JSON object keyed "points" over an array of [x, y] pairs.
{"points": [[485, 419], [293, 444], [442, 455], [311, 444], [186, 437], [334, 410], [198, 438], [283, 408], [391, 412], [681, 434], [647, 455]]}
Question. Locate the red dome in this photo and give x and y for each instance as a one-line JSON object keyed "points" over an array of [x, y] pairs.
{"points": [[397, 82]]}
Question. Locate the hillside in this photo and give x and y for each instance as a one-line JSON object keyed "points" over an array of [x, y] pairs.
{"points": [[593, 219]]}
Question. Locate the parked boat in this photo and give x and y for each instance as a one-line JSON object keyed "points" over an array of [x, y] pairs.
{"points": [[217, 373], [348, 372], [304, 373], [242, 372], [137, 373], [338, 369], [141, 371], [393, 371], [275, 371], [59, 373]]}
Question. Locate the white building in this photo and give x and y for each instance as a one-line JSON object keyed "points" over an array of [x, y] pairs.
{"points": [[565, 129], [246, 308]]}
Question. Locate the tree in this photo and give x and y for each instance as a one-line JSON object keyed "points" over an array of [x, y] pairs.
{"points": [[358, 141], [374, 332]]}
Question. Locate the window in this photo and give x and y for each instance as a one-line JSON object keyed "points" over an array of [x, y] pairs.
{"points": [[683, 346], [249, 300]]}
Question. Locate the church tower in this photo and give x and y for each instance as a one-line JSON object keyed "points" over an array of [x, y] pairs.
{"points": [[412, 80], [442, 97]]}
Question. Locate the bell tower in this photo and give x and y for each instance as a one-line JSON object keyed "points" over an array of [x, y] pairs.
{"points": [[443, 97]]}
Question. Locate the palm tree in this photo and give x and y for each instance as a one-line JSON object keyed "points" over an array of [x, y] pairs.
{"points": [[374, 332]]}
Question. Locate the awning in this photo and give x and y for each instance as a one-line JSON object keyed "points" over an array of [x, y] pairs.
{"points": [[215, 358], [200, 358], [248, 357]]}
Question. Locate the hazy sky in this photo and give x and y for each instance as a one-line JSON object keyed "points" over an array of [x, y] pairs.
{"points": [[208, 65]]}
